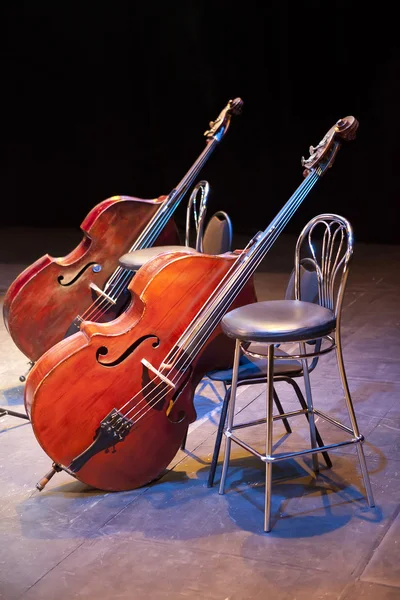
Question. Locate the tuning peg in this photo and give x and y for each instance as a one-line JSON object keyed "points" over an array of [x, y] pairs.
{"points": [[311, 149], [212, 123]]}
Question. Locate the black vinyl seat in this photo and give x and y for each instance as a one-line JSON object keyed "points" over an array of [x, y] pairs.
{"points": [[283, 321], [260, 327]]}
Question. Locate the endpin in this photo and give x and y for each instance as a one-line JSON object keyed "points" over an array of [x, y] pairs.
{"points": [[55, 468]]}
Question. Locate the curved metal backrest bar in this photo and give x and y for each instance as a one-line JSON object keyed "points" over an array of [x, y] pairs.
{"points": [[199, 214], [330, 258]]}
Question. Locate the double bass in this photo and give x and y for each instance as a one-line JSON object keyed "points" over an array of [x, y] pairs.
{"points": [[49, 299], [112, 403]]}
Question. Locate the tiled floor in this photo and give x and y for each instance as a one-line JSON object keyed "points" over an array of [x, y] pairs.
{"points": [[177, 538]]}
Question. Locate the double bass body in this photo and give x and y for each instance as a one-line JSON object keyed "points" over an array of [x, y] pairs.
{"points": [[48, 300], [84, 377], [47, 296]]}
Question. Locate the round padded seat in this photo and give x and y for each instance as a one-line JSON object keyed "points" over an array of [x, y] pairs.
{"points": [[134, 260], [278, 321]]}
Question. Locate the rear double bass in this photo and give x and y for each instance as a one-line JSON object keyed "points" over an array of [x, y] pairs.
{"points": [[50, 298], [112, 403]]}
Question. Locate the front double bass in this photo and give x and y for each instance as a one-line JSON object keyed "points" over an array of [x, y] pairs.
{"points": [[112, 403], [49, 299]]}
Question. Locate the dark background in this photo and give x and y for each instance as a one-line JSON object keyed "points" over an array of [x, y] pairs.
{"points": [[100, 99]]}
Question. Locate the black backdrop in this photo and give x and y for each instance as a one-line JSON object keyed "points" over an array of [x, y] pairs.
{"points": [[100, 99]]}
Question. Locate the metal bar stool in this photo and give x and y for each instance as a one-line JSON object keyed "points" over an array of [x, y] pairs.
{"points": [[253, 370], [278, 322]]}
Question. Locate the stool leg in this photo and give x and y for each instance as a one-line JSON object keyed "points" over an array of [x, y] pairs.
{"points": [[221, 424], [231, 414], [311, 420], [218, 438], [303, 404], [281, 411], [353, 420], [268, 438]]}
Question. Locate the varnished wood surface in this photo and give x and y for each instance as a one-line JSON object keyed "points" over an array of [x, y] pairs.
{"points": [[68, 392], [38, 310]]}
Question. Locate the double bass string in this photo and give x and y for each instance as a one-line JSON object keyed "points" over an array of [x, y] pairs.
{"points": [[183, 185], [288, 210], [151, 232], [120, 278], [259, 253], [148, 401], [234, 265]]}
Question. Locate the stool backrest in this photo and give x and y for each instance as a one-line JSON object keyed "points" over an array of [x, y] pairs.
{"points": [[328, 241], [308, 284], [217, 237]]}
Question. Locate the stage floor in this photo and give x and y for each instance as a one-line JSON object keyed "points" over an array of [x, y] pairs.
{"points": [[177, 538]]}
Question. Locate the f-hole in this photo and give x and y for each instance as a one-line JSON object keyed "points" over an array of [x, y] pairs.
{"points": [[103, 351], [60, 279]]}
